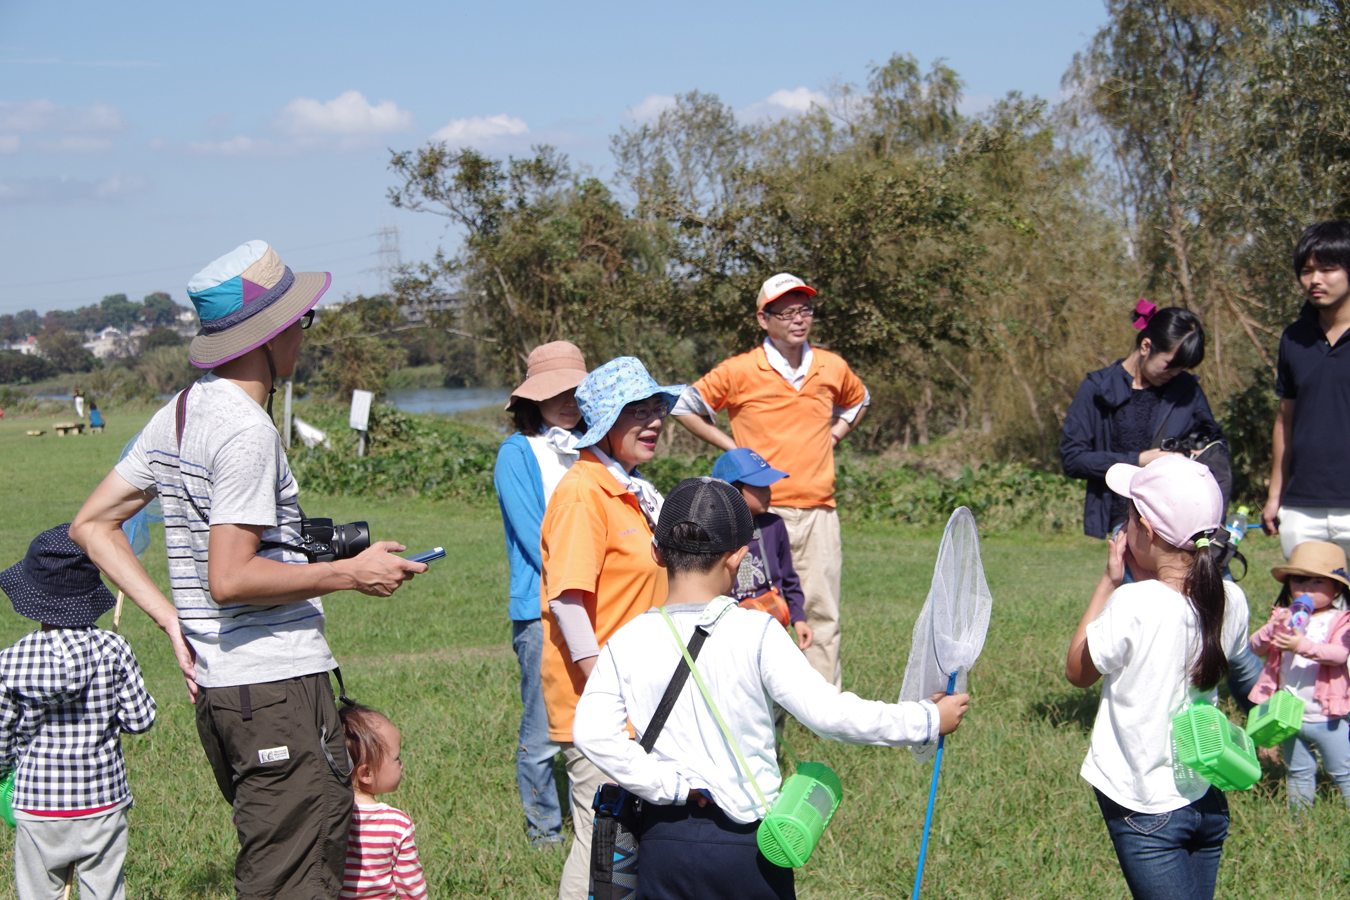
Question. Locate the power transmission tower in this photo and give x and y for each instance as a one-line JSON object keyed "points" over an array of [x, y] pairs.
{"points": [[391, 258]]}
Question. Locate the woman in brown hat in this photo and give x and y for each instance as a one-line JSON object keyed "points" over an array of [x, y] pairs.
{"points": [[1308, 656], [530, 464]]}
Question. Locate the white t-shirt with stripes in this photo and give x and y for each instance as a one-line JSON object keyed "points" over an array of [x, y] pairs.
{"points": [[234, 467]]}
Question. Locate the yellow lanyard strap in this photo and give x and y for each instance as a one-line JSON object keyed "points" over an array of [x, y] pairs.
{"points": [[707, 697]]}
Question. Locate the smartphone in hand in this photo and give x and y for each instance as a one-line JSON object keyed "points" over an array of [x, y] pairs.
{"points": [[427, 555]]}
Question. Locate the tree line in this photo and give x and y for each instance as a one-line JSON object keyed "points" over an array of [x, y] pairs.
{"points": [[972, 267]]}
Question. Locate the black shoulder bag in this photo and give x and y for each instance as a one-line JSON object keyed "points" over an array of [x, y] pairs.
{"points": [[614, 841]]}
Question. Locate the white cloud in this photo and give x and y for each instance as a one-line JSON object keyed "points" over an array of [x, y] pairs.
{"points": [[53, 191], [481, 129], [783, 103], [9, 144], [44, 116], [347, 114], [651, 107]]}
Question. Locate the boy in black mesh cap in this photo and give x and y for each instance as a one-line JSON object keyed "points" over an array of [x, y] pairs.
{"points": [[700, 811]]}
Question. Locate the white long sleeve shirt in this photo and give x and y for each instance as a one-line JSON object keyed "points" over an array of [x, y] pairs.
{"points": [[747, 660]]}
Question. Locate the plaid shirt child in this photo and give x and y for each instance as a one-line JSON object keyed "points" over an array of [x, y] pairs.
{"points": [[65, 697]]}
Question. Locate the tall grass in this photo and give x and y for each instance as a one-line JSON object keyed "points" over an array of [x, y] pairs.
{"points": [[1014, 819]]}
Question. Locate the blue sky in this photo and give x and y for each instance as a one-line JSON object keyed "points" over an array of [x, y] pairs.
{"points": [[140, 140]]}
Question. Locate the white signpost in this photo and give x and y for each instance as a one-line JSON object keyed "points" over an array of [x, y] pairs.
{"points": [[360, 418]]}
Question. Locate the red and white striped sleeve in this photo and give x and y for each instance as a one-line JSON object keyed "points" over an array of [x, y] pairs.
{"points": [[408, 878]]}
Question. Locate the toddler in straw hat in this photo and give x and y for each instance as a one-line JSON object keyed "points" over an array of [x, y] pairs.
{"points": [[1311, 663], [67, 692]]}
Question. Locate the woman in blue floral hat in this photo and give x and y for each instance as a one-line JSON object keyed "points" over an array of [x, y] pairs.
{"points": [[598, 571]]}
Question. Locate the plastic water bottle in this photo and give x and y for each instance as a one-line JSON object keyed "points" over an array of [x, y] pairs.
{"points": [[1237, 525], [1300, 611]]}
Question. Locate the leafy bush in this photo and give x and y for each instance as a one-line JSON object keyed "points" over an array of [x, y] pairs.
{"points": [[1001, 495], [119, 384], [19, 368], [406, 454], [166, 368]]}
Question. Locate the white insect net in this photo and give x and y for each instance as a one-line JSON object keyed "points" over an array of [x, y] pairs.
{"points": [[949, 633]]}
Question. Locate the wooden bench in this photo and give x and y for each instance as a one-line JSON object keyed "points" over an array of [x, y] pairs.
{"points": [[64, 428]]}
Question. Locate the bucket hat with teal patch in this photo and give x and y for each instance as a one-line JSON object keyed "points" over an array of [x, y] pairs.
{"points": [[606, 391], [246, 298]]}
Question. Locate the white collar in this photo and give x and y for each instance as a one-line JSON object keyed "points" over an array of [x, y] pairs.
{"points": [[779, 362]]}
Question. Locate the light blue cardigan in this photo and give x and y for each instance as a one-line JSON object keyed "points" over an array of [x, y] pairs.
{"points": [[520, 494]]}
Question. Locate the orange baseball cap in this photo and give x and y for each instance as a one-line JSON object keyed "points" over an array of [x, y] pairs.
{"points": [[779, 285]]}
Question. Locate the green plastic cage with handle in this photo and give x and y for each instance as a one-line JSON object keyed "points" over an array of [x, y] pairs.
{"points": [[1219, 751], [7, 798], [1275, 721], [805, 806]]}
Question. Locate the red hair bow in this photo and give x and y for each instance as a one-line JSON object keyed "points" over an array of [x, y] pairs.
{"points": [[1144, 311]]}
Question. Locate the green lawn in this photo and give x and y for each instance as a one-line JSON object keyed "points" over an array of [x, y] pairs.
{"points": [[1014, 818]]}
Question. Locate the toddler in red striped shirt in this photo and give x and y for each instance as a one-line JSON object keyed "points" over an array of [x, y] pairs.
{"points": [[382, 861]]}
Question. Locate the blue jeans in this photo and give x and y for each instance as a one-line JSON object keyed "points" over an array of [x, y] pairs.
{"points": [[1329, 738], [1172, 855], [534, 750]]}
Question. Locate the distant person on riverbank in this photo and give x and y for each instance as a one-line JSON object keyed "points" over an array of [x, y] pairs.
{"points": [[246, 601], [95, 417], [1309, 495], [78, 397], [792, 403], [67, 693], [598, 571], [530, 464]]}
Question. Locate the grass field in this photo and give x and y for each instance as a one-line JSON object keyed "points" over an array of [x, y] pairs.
{"points": [[1014, 819]]}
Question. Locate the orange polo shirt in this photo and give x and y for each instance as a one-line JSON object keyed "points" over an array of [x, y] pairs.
{"points": [[596, 540], [789, 428]]}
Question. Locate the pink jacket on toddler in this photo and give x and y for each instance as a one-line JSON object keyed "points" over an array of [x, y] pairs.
{"points": [[1332, 689]]}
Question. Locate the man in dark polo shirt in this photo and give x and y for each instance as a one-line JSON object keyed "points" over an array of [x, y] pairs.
{"points": [[1309, 497]]}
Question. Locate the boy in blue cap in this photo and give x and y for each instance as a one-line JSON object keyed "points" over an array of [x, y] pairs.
{"points": [[67, 692], [767, 567]]}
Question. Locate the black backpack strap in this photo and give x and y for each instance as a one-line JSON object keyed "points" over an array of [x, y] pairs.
{"points": [[672, 692]]}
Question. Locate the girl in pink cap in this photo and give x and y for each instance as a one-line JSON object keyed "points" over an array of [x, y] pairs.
{"points": [[1158, 644]]}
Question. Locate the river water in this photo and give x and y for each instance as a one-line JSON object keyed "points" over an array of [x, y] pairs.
{"points": [[447, 400], [433, 400]]}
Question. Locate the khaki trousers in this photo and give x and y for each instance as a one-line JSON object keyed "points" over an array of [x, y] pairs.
{"points": [[585, 778], [817, 554]]}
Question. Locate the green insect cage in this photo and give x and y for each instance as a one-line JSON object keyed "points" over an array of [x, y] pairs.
{"points": [[1219, 751], [791, 830], [1276, 720]]}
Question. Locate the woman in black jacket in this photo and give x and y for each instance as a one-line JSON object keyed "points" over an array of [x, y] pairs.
{"points": [[1123, 413]]}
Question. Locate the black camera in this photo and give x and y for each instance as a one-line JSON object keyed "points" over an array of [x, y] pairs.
{"points": [[322, 541], [1197, 440]]}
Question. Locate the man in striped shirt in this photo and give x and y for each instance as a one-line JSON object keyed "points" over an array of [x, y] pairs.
{"points": [[247, 603]]}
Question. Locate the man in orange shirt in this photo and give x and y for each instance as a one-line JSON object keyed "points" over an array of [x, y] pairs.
{"points": [[790, 403]]}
